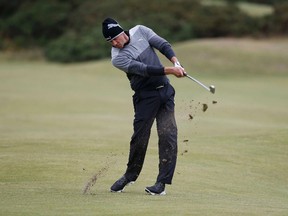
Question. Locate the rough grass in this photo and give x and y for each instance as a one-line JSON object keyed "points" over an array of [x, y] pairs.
{"points": [[252, 9], [66, 128]]}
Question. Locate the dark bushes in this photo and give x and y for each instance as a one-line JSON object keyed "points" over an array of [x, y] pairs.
{"points": [[34, 23], [219, 21], [70, 30], [74, 47]]}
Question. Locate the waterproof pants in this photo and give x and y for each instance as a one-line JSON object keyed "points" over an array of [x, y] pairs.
{"points": [[149, 105]]}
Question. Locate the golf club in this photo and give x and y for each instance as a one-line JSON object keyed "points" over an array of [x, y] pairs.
{"points": [[211, 88]]}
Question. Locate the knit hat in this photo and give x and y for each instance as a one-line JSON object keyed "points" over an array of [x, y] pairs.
{"points": [[111, 29]]}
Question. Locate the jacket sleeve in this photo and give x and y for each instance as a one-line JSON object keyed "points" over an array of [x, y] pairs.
{"points": [[127, 64], [158, 42]]}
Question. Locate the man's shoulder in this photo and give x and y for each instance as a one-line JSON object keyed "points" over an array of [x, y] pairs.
{"points": [[138, 28]]}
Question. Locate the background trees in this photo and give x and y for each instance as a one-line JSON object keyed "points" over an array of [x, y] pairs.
{"points": [[70, 30]]}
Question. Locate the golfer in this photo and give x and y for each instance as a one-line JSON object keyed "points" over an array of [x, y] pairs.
{"points": [[133, 52]]}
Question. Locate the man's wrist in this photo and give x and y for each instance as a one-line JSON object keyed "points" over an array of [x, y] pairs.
{"points": [[168, 70], [174, 60]]}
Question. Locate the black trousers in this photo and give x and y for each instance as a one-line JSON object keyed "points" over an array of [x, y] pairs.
{"points": [[150, 105]]}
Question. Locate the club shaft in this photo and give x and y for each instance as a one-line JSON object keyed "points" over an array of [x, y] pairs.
{"points": [[198, 82]]}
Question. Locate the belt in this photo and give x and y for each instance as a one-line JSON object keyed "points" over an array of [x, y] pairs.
{"points": [[151, 88], [159, 87]]}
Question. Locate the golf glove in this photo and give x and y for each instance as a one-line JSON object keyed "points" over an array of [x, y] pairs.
{"points": [[177, 64]]}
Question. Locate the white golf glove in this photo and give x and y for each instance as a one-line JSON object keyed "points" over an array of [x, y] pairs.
{"points": [[177, 64]]}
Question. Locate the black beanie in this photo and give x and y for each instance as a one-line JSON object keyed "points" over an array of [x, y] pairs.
{"points": [[111, 29]]}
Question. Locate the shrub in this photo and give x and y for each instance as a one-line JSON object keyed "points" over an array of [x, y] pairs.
{"points": [[74, 47], [276, 23], [36, 22], [280, 18], [216, 21], [66, 28]]}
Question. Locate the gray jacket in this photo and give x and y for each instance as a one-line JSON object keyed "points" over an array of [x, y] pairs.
{"points": [[139, 60]]}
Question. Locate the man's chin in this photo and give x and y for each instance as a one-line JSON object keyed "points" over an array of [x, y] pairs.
{"points": [[118, 47]]}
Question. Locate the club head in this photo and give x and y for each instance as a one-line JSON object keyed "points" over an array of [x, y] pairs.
{"points": [[212, 89]]}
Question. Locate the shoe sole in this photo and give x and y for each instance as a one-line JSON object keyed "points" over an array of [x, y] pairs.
{"points": [[120, 191], [153, 194]]}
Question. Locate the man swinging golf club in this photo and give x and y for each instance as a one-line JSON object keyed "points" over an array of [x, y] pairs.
{"points": [[133, 52]]}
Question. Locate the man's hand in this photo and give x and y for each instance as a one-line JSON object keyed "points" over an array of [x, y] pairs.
{"points": [[176, 71], [177, 64]]}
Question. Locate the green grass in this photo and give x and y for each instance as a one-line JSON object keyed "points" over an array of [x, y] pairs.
{"points": [[62, 124]]}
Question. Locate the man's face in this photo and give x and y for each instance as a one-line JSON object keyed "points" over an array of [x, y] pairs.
{"points": [[119, 41]]}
